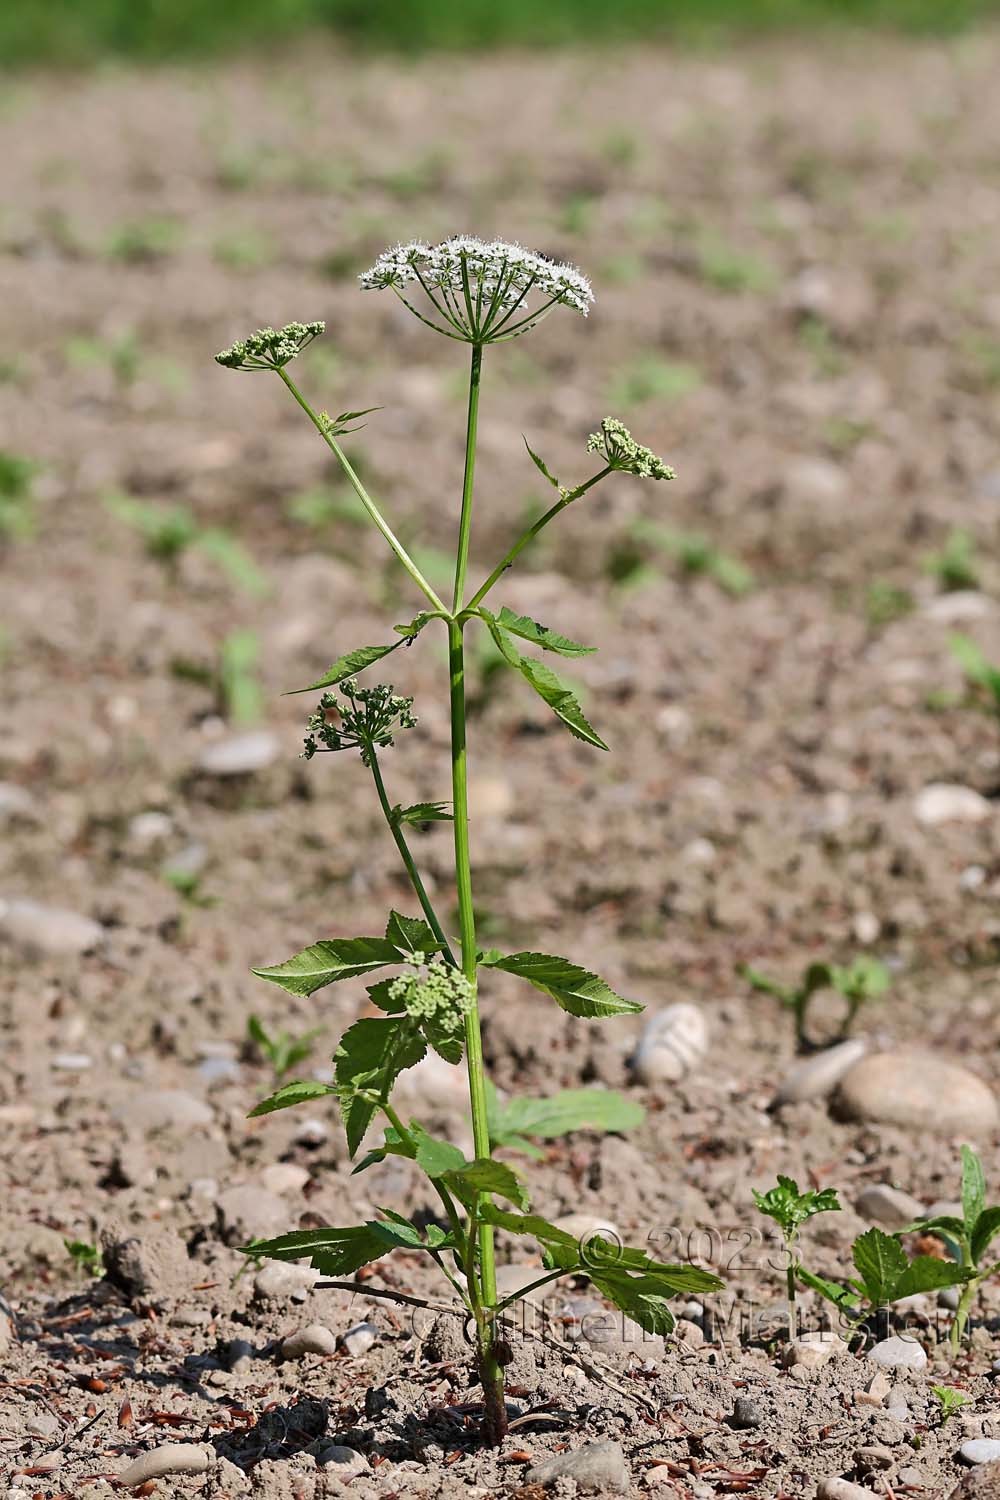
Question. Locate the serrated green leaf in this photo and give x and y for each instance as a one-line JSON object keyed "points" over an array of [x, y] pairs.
{"points": [[548, 1235], [410, 934], [562, 701], [549, 640], [347, 666], [945, 1224], [487, 1176], [973, 1188], [371, 1055], [577, 990], [290, 1094], [569, 1110], [333, 1252], [881, 1262], [434, 1156], [379, 995], [925, 1273], [329, 960], [540, 465], [986, 1230], [790, 1208], [423, 812], [397, 1232]]}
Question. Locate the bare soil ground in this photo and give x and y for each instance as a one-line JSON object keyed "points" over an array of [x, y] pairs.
{"points": [[796, 257]]}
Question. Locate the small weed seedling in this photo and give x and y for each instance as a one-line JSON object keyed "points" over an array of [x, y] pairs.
{"points": [[949, 1400], [282, 1050], [885, 1275], [17, 504], [864, 979], [478, 294], [790, 1209], [968, 1238], [85, 1256], [170, 530], [696, 556], [980, 673], [954, 567]]}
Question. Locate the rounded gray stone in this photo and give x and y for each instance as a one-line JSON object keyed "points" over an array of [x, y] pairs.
{"points": [[918, 1092]]}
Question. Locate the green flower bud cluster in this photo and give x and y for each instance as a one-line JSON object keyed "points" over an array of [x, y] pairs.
{"points": [[269, 348], [618, 447], [364, 719], [441, 997]]}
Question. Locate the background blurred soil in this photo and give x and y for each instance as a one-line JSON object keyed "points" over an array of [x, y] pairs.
{"points": [[796, 256]]}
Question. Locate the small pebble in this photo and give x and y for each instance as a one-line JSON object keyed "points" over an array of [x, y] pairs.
{"points": [[278, 1280], [313, 1339], [312, 1132], [873, 1457], [172, 1458], [980, 1451], [284, 1177], [813, 1350], [72, 1062], [815, 1077], [48, 929], [240, 754], [247, 1212], [746, 1413], [359, 1339], [882, 1204], [943, 802], [163, 1109], [345, 1463], [673, 1042], [595, 1467], [841, 1489], [898, 1354], [917, 1090], [948, 1298]]}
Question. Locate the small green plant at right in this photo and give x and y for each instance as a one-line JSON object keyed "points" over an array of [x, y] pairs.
{"points": [[790, 1209], [732, 270], [980, 673], [949, 1400], [144, 240], [885, 1274], [864, 979], [17, 505], [85, 1256], [170, 530], [968, 1238], [954, 567], [282, 1050], [239, 684]]}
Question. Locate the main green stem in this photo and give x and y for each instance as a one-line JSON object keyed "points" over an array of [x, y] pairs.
{"points": [[490, 1370]]}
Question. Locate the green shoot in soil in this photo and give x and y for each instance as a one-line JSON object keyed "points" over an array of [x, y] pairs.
{"points": [[885, 1275], [954, 567], [790, 1209], [864, 979], [949, 1400], [282, 1050], [968, 1238], [480, 295]]}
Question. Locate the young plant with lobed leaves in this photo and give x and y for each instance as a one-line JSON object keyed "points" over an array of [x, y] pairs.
{"points": [[885, 1274], [864, 979], [479, 294], [790, 1209], [968, 1237]]}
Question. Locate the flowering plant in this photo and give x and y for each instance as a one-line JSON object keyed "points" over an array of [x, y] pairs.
{"points": [[479, 293]]}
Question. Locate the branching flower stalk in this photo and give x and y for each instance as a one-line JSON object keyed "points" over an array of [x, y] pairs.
{"points": [[479, 293]]}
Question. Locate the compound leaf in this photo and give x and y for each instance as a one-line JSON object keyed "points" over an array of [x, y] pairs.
{"points": [[577, 990], [371, 1055], [540, 635], [410, 934], [487, 1176], [569, 1110], [290, 1094], [329, 960], [333, 1252]]}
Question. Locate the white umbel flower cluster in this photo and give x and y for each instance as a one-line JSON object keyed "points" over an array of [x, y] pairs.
{"points": [[483, 291]]}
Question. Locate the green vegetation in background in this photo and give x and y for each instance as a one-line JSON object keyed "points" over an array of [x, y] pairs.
{"points": [[75, 31]]}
